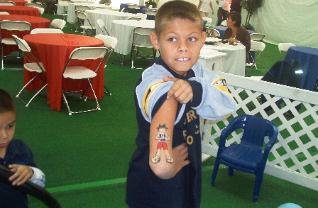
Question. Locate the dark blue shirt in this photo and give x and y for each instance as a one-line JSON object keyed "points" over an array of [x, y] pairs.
{"points": [[17, 153]]}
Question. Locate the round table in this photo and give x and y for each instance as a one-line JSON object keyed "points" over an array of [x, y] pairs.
{"points": [[234, 61], [108, 16], [123, 30], [23, 10], [53, 51]]}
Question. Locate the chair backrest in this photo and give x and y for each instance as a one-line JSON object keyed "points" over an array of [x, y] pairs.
{"points": [[257, 46], [283, 47], [84, 53], [58, 23], [8, 3], [109, 41], [257, 36], [135, 18], [45, 30], [22, 44], [81, 15], [4, 13], [256, 129], [81, 8], [141, 37], [15, 25]]}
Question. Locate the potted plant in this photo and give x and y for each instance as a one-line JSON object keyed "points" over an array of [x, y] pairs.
{"points": [[251, 7]]}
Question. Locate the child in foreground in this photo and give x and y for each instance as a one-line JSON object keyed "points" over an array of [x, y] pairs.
{"points": [[171, 96], [15, 155]]}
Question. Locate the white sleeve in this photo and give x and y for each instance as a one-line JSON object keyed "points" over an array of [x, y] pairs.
{"points": [[149, 92], [217, 101], [38, 177]]}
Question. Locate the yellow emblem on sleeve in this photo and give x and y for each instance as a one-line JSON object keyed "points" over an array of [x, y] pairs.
{"points": [[148, 93], [220, 84]]}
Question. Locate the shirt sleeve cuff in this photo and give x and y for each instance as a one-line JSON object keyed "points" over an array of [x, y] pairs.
{"points": [[197, 93], [38, 177]]}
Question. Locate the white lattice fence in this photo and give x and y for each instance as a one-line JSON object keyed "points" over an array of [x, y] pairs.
{"points": [[294, 111]]}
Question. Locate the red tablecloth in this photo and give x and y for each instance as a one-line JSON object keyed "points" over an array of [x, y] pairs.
{"points": [[35, 22], [53, 51], [23, 10], [19, 2]]}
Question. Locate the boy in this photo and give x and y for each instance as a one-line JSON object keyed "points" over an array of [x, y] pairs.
{"points": [[15, 155], [170, 98]]}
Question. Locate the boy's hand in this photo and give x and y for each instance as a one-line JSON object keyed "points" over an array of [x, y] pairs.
{"points": [[21, 174], [180, 156], [181, 90]]}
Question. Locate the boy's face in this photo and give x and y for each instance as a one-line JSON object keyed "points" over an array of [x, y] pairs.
{"points": [[179, 44], [7, 128]]}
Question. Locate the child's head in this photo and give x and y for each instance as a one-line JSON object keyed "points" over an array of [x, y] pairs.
{"points": [[178, 35], [7, 119], [234, 19]]}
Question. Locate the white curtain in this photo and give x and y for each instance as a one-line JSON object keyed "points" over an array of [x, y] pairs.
{"points": [[292, 21]]}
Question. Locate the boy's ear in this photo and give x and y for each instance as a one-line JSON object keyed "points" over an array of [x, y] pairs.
{"points": [[203, 37], [154, 40]]}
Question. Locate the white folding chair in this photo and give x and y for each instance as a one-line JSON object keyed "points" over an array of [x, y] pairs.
{"points": [[257, 36], [11, 26], [80, 72], [101, 25], [110, 43], [46, 30], [58, 23], [257, 47], [35, 66], [8, 3], [141, 39], [283, 47], [82, 18]]}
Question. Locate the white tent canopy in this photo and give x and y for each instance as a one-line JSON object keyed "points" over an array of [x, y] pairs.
{"points": [[288, 21]]}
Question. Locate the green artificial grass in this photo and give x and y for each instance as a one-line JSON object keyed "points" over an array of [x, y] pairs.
{"points": [[85, 157]]}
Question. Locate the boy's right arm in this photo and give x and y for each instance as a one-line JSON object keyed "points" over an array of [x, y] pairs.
{"points": [[164, 161]]}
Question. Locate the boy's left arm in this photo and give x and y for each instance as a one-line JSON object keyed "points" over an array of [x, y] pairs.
{"points": [[212, 99]]}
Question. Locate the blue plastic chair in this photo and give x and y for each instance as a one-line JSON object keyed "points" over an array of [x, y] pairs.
{"points": [[252, 153]]}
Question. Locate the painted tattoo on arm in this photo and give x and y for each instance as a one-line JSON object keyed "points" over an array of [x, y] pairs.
{"points": [[162, 145]]}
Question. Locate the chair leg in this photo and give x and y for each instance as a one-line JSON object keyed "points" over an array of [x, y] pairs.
{"points": [[2, 61], [257, 186], [97, 103], [27, 84], [215, 171], [132, 57], [107, 91], [230, 171], [67, 106], [27, 105]]}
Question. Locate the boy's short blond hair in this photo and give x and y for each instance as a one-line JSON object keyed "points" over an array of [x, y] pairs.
{"points": [[176, 9], [6, 102]]}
